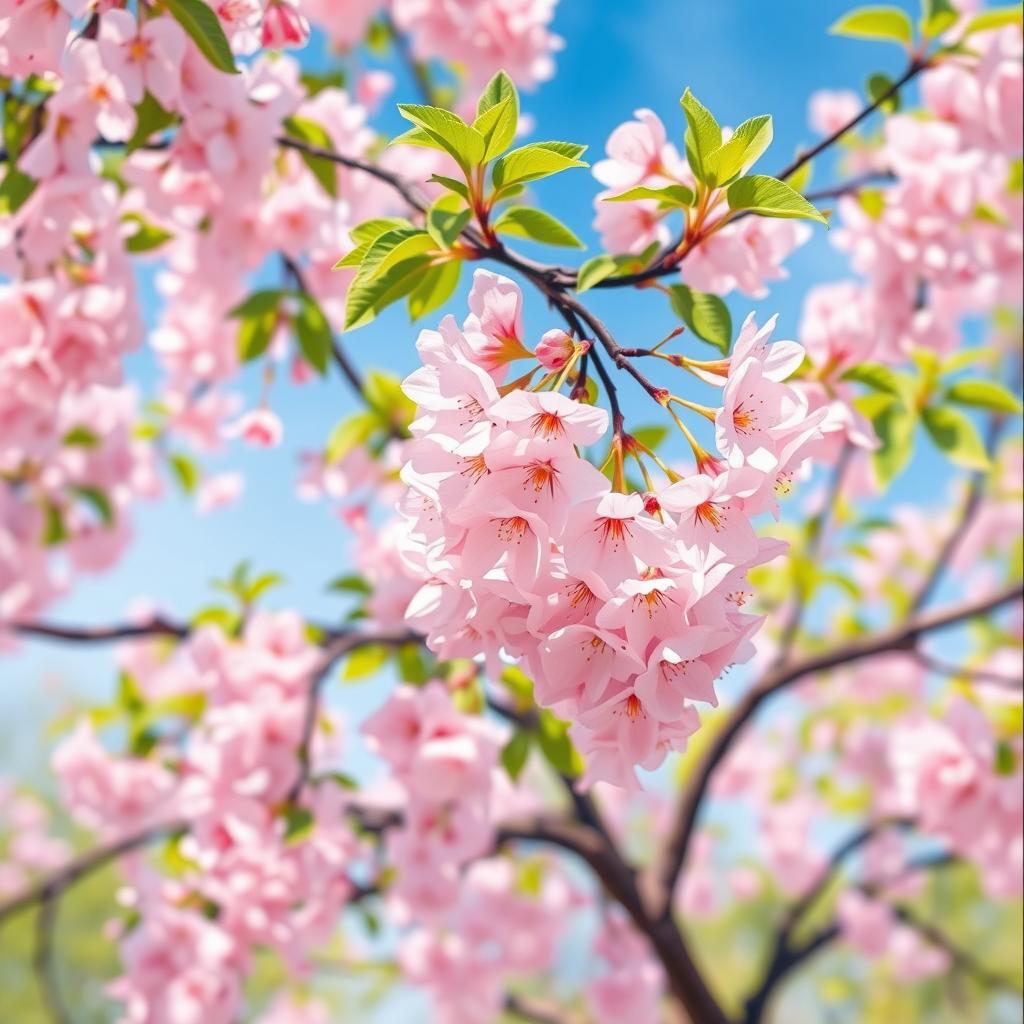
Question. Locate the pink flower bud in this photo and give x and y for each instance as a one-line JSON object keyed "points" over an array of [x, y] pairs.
{"points": [[554, 349], [284, 27]]}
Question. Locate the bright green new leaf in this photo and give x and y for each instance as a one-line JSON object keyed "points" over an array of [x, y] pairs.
{"points": [[497, 125], [324, 170], [876, 377], [414, 244], [705, 314], [595, 270], [894, 424], [446, 219], [265, 301], [770, 197], [364, 661], [650, 437], [15, 190], [299, 823], [313, 333], [800, 179], [350, 583], [368, 296], [936, 17], [557, 747], [515, 753], [983, 394], [200, 22], [537, 160], [667, 195], [997, 17], [537, 226], [146, 236], [499, 88], [879, 85], [371, 230], [739, 154], [255, 334], [460, 188], [887, 23], [350, 432], [81, 437], [99, 502], [186, 472], [434, 289], [703, 133], [150, 118], [956, 436], [449, 131]]}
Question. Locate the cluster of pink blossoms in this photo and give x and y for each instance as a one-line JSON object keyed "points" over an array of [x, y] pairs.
{"points": [[939, 239], [26, 840], [624, 608], [247, 879], [214, 205], [745, 256]]}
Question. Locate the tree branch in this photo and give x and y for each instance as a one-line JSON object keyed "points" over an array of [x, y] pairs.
{"points": [[155, 626], [904, 637]]}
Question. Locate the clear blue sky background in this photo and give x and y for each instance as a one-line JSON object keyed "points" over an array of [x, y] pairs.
{"points": [[740, 57]]}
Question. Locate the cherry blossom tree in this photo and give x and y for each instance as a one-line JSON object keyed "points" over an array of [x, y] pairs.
{"points": [[545, 595]]}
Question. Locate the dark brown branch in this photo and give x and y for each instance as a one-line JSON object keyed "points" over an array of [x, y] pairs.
{"points": [[61, 880], [156, 626], [903, 637], [534, 1011], [974, 675]]}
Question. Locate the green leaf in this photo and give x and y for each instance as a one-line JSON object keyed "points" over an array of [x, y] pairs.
{"points": [[448, 131], [650, 437], [537, 160], [887, 23], [739, 154], [460, 188], [313, 333], [348, 433], [705, 314], [185, 470], [536, 225], [364, 661], [265, 301], [370, 230], [497, 90], [255, 334], [446, 219], [200, 22], [325, 171], [983, 394], [703, 133], [434, 289], [15, 190], [351, 583], [515, 754], [876, 377], [298, 823], [146, 237], [150, 118], [54, 530], [595, 270], [800, 179], [956, 436], [936, 17], [997, 17], [557, 747], [667, 195], [393, 242], [879, 85], [894, 424], [497, 125], [769, 197], [98, 500], [367, 297], [81, 437]]}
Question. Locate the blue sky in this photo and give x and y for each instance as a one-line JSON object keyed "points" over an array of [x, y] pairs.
{"points": [[741, 58]]}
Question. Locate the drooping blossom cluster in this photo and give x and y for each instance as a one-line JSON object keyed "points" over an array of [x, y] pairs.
{"points": [[248, 878], [625, 607], [746, 256]]}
